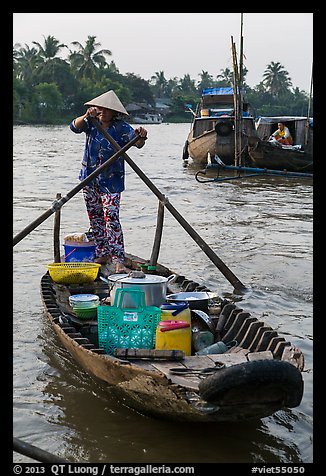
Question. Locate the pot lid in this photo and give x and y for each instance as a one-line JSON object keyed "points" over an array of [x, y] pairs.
{"points": [[148, 279]]}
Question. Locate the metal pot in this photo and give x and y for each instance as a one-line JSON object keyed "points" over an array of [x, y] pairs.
{"points": [[154, 287], [196, 299]]}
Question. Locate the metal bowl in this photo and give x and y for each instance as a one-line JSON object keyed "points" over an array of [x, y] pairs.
{"points": [[196, 299]]}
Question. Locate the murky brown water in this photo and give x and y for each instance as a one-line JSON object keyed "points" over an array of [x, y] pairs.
{"points": [[260, 227]]}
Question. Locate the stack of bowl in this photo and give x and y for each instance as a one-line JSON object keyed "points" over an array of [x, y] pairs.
{"points": [[84, 305]]}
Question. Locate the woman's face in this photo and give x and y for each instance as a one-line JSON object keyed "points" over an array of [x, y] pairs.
{"points": [[104, 114]]}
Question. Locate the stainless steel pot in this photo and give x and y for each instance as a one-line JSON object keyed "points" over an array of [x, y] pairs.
{"points": [[154, 287]]}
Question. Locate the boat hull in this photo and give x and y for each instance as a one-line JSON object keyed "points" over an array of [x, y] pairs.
{"points": [[266, 155], [217, 138]]}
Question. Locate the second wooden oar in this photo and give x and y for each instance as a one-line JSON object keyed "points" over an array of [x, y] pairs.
{"points": [[230, 276]]}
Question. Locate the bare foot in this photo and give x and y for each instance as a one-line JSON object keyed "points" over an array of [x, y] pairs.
{"points": [[120, 268], [103, 260]]}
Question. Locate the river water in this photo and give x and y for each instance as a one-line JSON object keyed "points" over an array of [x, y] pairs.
{"points": [[260, 227]]}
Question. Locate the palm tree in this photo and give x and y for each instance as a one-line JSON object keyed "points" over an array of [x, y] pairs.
{"points": [[26, 61], [206, 80], [187, 85], [86, 60], [160, 83], [50, 49], [225, 78], [276, 79]]}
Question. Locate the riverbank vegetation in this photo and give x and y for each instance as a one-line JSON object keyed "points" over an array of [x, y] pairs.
{"points": [[48, 89]]}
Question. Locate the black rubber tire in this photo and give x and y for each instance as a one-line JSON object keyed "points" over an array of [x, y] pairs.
{"points": [[185, 153], [261, 379], [224, 128]]}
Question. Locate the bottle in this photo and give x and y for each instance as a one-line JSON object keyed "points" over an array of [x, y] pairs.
{"points": [[217, 348], [202, 339]]}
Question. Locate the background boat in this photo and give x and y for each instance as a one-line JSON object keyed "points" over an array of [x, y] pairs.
{"points": [[213, 128], [147, 118], [265, 153]]}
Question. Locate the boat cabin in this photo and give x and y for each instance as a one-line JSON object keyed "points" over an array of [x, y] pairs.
{"points": [[219, 102], [297, 126], [217, 106]]}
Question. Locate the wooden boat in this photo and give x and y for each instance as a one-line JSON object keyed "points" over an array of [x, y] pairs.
{"points": [[258, 375], [213, 128], [272, 155], [147, 118]]}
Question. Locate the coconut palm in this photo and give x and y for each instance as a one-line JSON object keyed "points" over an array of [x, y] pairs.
{"points": [[276, 79], [50, 49], [160, 83], [225, 78], [206, 80], [26, 61], [86, 61]]}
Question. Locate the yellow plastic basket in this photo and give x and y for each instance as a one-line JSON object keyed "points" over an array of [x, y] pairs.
{"points": [[73, 273]]}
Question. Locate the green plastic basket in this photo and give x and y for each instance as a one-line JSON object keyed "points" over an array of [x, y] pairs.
{"points": [[127, 328]]}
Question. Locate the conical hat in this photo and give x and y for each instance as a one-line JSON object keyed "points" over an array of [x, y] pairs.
{"points": [[109, 100]]}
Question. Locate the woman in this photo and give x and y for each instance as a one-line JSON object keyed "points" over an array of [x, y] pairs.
{"points": [[102, 195], [282, 135]]}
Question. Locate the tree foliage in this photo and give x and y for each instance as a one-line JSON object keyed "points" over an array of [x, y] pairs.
{"points": [[48, 89]]}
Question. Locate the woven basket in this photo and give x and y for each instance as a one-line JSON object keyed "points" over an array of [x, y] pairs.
{"points": [[73, 273]]}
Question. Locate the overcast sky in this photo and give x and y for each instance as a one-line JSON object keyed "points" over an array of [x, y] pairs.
{"points": [[183, 43]]}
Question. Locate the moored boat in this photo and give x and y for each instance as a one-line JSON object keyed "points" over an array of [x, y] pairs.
{"points": [[270, 154], [213, 128], [147, 118]]}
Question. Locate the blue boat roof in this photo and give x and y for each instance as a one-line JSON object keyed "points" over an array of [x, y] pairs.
{"points": [[217, 91]]}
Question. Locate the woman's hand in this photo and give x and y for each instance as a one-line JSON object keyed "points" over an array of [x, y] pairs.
{"points": [[92, 111], [142, 134]]}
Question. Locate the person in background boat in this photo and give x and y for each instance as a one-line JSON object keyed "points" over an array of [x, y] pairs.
{"points": [[282, 135], [102, 195]]}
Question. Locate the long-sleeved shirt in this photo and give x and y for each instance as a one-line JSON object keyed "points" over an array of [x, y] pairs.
{"points": [[98, 150]]}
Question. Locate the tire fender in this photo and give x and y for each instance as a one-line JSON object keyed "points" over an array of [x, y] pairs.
{"points": [[224, 128], [232, 382]]}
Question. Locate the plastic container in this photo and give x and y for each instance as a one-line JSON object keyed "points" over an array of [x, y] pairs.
{"points": [[84, 301], [173, 335], [86, 313], [178, 311], [123, 327], [79, 252]]}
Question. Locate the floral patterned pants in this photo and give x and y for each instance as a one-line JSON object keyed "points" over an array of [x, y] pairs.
{"points": [[103, 213]]}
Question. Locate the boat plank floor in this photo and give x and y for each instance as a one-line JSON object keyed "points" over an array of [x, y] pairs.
{"points": [[229, 358], [189, 381]]}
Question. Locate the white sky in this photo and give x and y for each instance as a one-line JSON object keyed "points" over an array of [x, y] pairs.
{"points": [[183, 43]]}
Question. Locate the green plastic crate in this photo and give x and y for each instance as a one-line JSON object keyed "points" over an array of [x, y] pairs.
{"points": [[127, 328]]}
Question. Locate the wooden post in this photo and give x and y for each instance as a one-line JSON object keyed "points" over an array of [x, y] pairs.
{"points": [[56, 233], [308, 111], [240, 106], [236, 103], [158, 235]]}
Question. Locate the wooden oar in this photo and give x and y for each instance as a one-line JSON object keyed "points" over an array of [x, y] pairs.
{"points": [[57, 204], [200, 242]]}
